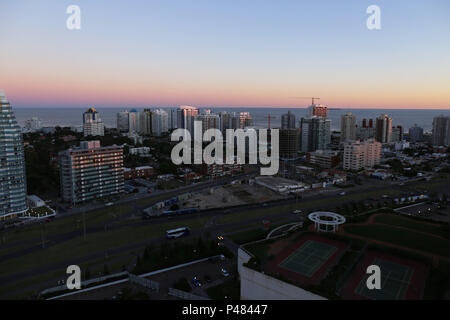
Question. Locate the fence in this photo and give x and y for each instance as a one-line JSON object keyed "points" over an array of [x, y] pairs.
{"points": [[185, 295], [146, 283]]}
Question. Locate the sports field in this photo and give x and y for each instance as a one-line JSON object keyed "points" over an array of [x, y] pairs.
{"points": [[401, 278], [304, 260], [307, 259], [395, 280]]}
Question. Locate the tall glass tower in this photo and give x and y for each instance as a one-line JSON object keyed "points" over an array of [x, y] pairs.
{"points": [[13, 188]]}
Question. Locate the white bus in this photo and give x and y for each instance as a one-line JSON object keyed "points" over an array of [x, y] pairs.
{"points": [[176, 233]]}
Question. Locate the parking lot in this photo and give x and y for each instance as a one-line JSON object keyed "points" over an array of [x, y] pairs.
{"points": [[208, 273]]}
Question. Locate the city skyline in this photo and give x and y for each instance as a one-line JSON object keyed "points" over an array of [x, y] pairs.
{"points": [[212, 54]]}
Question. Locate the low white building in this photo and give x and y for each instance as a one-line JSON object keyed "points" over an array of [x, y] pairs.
{"points": [[141, 151], [35, 201], [280, 185]]}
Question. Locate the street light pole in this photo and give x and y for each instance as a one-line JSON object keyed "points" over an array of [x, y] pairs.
{"points": [[84, 225]]}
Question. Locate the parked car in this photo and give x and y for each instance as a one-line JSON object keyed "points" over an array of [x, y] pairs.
{"points": [[225, 272], [196, 282]]}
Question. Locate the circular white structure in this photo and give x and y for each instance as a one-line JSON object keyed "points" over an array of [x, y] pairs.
{"points": [[326, 221]]}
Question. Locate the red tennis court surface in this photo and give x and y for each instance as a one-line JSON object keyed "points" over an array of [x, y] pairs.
{"points": [[401, 278], [308, 260]]}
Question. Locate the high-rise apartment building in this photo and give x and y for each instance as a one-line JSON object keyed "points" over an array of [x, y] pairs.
{"points": [[185, 117], [364, 133], [90, 172], [288, 121], [361, 154], [397, 134], [92, 124], [315, 133], [160, 122], [348, 127], [225, 122], [289, 143], [33, 124], [134, 121], [383, 129], [240, 120], [318, 110], [209, 121], [123, 121], [13, 187], [172, 114], [415, 133], [441, 131], [145, 122]]}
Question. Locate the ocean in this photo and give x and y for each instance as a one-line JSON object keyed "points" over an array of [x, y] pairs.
{"points": [[404, 117]]}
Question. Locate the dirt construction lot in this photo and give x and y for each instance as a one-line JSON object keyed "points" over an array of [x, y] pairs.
{"points": [[231, 195]]}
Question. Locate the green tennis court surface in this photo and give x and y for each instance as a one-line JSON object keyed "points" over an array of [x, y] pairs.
{"points": [[395, 279], [307, 259]]}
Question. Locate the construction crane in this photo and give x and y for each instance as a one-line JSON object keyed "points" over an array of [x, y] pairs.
{"points": [[269, 117]]}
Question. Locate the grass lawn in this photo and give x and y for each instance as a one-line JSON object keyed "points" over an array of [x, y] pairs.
{"points": [[405, 222], [248, 236], [65, 224], [253, 234], [95, 242], [402, 237]]}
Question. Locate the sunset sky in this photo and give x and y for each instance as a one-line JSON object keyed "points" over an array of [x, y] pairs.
{"points": [[224, 53]]}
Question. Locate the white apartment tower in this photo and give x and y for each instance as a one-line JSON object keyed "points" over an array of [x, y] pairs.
{"points": [[92, 124], [358, 155]]}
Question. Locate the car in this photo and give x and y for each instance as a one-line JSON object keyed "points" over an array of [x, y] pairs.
{"points": [[342, 193], [109, 204], [196, 282], [297, 211], [264, 204], [225, 272], [220, 238]]}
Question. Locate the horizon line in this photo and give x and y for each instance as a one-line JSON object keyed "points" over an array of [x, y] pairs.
{"points": [[225, 107]]}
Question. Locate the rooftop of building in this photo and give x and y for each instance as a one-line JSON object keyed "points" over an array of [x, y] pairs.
{"points": [[333, 265]]}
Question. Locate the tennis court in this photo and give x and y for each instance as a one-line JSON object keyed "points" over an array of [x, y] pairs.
{"points": [[395, 280], [307, 259]]}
